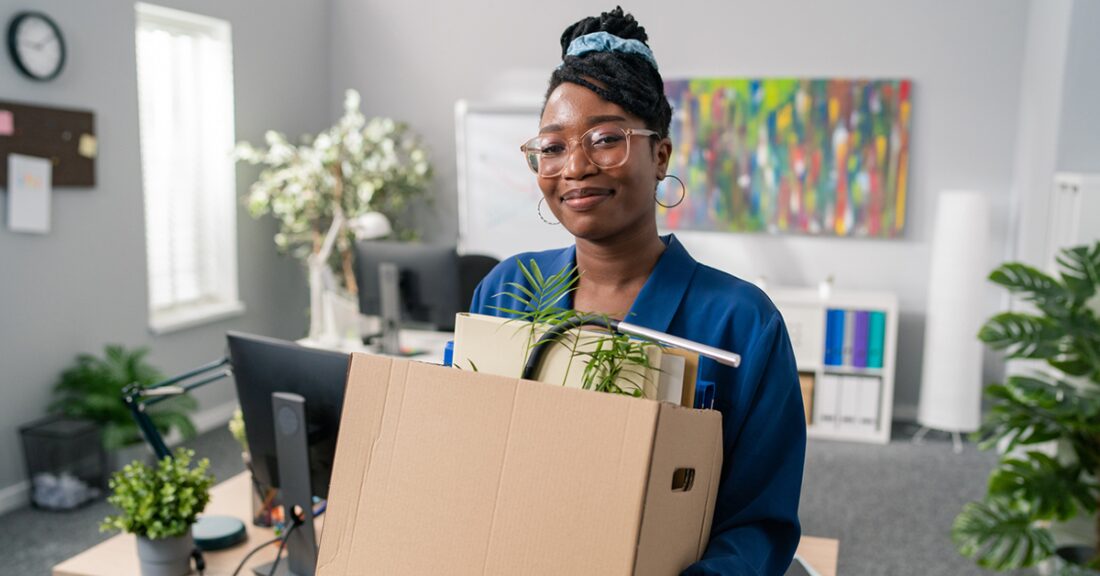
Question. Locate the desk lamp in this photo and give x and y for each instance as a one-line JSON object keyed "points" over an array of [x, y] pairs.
{"points": [[610, 324], [210, 532]]}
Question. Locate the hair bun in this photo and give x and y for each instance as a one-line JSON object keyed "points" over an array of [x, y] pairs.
{"points": [[614, 22]]}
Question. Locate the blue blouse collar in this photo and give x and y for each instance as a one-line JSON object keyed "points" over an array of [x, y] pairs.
{"points": [[663, 291]]}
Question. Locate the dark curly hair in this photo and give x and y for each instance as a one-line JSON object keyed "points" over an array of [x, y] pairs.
{"points": [[628, 80]]}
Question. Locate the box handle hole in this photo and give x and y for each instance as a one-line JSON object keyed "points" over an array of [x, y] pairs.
{"points": [[683, 479]]}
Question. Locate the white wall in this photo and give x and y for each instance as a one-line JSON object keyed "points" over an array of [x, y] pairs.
{"points": [[1079, 136], [84, 285], [413, 59]]}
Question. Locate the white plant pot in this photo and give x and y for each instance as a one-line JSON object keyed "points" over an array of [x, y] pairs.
{"points": [[165, 556]]}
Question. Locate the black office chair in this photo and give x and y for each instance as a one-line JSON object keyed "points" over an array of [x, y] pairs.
{"points": [[471, 269]]}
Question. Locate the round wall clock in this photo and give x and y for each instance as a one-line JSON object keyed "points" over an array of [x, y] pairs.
{"points": [[36, 46]]}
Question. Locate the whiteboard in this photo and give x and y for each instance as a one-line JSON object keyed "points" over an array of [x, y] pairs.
{"points": [[497, 193]]}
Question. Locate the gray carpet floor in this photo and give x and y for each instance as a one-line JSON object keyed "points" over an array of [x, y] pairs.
{"points": [[890, 506]]}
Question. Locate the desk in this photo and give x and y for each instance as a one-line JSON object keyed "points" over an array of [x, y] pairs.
{"points": [[118, 555], [428, 341], [820, 553]]}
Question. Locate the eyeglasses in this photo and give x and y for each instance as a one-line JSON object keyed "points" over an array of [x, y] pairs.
{"points": [[605, 146]]}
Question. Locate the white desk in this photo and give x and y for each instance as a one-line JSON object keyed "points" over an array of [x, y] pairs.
{"points": [[429, 342]]}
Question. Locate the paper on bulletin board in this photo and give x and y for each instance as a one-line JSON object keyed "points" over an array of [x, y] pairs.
{"points": [[29, 194]]}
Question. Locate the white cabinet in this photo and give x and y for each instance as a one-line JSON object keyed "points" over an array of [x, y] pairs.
{"points": [[845, 347]]}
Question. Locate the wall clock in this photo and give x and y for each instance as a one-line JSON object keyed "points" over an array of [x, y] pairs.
{"points": [[36, 46]]}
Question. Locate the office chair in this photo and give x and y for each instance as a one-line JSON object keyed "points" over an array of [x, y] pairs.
{"points": [[471, 269]]}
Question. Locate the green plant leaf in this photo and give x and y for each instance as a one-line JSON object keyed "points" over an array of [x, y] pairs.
{"points": [[1080, 270], [1028, 282], [1051, 490], [1000, 536], [1022, 335], [162, 501]]}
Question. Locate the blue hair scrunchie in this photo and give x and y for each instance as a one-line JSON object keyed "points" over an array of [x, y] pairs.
{"points": [[607, 42]]}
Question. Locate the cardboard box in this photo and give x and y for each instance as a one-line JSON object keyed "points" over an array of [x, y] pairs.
{"points": [[446, 471]]}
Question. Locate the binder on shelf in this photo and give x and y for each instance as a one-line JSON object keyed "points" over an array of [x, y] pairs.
{"points": [[859, 340], [869, 395], [849, 338], [834, 337], [876, 336], [826, 400], [848, 417]]}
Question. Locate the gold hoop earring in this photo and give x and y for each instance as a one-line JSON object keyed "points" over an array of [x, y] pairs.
{"points": [[538, 209], [683, 193]]}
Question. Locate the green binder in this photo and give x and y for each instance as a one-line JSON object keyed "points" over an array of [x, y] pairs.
{"points": [[876, 339]]}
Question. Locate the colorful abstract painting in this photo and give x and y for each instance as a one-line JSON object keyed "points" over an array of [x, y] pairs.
{"points": [[789, 156]]}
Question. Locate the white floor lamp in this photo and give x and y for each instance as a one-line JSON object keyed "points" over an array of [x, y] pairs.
{"points": [[951, 382]]}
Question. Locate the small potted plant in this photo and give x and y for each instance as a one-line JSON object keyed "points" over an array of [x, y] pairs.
{"points": [[159, 505]]}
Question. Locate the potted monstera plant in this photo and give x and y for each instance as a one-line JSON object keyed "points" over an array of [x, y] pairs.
{"points": [[1045, 422], [159, 505]]}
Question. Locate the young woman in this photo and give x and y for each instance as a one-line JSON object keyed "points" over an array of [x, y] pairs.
{"points": [[601, 150]]}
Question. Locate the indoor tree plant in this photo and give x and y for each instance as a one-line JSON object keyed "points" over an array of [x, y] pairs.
{"points": [[92, 389], [159, 505], [1057, 404], [359, 171]]}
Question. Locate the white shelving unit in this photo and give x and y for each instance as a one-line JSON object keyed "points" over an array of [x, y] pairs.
{"points": [[805, 313]]}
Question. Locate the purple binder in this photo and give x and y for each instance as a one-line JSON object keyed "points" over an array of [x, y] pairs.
{"points": [[859, 341]]}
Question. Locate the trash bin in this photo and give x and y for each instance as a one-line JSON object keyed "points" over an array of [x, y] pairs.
{"points": [[65, 461]]}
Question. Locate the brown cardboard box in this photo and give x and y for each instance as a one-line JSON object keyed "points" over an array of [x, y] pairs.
{"points": [[445, 471]]}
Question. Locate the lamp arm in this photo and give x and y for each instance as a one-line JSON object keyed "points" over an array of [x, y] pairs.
{"points": [[134, 396], [551, 335]]}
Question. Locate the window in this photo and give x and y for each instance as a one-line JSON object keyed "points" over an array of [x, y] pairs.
{"points": [[185, 102]]}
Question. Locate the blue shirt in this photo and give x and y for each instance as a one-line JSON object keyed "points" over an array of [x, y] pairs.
{"points": [[755, 530]]}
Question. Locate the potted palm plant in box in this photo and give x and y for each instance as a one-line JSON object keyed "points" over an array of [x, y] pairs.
{"points": [[1034, 487], [159, 505]]}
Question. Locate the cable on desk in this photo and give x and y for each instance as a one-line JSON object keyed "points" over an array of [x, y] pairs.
{"points": [[278, 555], [253, 551]]}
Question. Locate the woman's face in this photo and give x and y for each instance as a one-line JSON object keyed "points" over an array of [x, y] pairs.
{"points": [[595, 203]]}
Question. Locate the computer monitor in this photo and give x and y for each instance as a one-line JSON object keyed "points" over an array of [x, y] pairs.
{"points": [[263, 366], [428, 282], [291, 398]]}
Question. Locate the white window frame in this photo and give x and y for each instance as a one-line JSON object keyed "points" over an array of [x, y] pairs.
{"points": [[204, 250]]}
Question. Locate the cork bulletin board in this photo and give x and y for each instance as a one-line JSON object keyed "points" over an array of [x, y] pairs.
{"points": [[65, 137]]}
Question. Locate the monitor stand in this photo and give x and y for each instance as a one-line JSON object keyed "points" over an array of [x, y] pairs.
{"points": [[389, 278], [295, 488]]}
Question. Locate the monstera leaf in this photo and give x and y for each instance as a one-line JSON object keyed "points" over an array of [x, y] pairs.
{"points": [[1033, 286], [1022, 335], [1081, 270], [1056, 491], [1000, 536]]}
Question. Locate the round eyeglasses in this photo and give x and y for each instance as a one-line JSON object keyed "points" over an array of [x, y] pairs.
{"points": [[605, 146]]}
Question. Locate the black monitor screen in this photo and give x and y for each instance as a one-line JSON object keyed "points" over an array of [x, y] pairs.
{"points": [[429, 280], [262, 366]]}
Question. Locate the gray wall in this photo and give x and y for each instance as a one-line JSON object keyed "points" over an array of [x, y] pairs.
{"points": [[84, 284], [413, 59]]}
